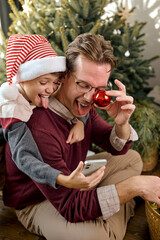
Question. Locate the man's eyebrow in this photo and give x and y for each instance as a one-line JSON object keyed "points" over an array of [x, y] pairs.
{"points": [[79, 80], [90, 84]]}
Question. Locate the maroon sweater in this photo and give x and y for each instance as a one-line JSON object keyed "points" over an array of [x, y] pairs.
{"points": [[50, 132]]}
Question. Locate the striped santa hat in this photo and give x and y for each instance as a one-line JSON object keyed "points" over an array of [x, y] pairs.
{"points": [[31, 56], [28, 57]]}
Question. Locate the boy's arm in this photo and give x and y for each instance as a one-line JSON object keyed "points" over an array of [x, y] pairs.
{"points": [[26, 155], [77, 132], [27, 158]]}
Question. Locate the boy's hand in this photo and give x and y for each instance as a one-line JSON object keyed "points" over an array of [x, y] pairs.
{"points": [[77, 133], [78, 181]]}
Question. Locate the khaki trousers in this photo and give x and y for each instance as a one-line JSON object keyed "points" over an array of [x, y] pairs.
{"points": [[43, 219]]}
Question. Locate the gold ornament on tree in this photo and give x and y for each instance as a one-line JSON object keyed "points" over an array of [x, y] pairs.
{"points": [[125, 13]]}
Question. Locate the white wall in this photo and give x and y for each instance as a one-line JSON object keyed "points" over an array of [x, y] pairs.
{"points": [[146, 11], [149, 11]]}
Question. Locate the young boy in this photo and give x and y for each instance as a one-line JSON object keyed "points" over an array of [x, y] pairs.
{"points": [[33, 73]]}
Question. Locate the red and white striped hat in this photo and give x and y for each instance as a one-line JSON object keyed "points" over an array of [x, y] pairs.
{"points": [[31, 56]]}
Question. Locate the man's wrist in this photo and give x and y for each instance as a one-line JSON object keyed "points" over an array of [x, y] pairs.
{"points": [[123, 131]]}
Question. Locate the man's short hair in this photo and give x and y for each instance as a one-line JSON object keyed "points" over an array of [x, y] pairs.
{"points": [[93, 47]]}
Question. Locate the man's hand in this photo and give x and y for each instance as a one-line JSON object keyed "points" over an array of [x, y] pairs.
{"points": [[78, 181], [122, 108]]}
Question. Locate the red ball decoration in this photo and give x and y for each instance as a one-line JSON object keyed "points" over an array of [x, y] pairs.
{"points": [[101, 99]]}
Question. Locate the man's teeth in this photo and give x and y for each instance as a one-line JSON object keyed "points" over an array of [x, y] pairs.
{"points": [[84, 105]]}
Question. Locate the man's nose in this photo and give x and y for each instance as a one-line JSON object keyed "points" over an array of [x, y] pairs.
{"points": [[89, 95]]}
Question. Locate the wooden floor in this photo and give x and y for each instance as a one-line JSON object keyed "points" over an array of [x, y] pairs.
{"points": [[137, 227], [11, 228]]}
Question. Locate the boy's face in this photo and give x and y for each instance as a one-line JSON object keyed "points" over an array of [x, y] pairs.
{"points": [[39, 89]]}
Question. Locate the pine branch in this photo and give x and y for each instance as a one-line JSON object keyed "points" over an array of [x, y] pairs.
{"points": [[64, 39], [4, 42], [85, 9], [95, 28], [72, 20]]}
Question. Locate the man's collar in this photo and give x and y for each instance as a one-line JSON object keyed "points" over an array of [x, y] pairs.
{"points": [[58, 108]]}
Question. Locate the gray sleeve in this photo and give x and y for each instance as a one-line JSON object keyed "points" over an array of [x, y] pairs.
{"points": [[84, 119], [26, 155]]}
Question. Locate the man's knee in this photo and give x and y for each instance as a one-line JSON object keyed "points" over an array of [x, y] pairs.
{"points": [[136, 160]]}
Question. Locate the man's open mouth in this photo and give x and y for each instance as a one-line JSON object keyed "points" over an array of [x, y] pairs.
{"points": [[83, 108], [84, 104]]}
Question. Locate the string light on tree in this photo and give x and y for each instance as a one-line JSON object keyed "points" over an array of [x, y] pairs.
{"points": [[58, 3], [150, 69], [127, 53], [116, 31], [27, 9], [2, 55], [19, 23]]}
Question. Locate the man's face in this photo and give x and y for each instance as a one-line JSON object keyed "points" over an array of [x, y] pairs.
{"points": [[78, 102], [38, 90]]}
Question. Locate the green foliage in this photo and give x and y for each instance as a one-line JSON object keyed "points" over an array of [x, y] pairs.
{"points": [[2, 71], [3, 59], [155, 207], [146, 121]]}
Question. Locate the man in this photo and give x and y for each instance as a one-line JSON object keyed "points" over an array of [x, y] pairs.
{"points": [[102, 212]]}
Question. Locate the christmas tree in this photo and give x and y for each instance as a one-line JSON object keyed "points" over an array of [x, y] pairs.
{"points": [[61, 21]]}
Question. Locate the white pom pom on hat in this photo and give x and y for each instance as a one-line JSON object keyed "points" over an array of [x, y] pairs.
{"points": [[9, 91], [31, 56]]}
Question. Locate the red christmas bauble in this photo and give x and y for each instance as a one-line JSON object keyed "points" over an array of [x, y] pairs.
{"points": [[101, 99]]}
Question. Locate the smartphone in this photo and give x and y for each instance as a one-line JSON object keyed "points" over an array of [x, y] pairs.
{"points": [[91, 166]]}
